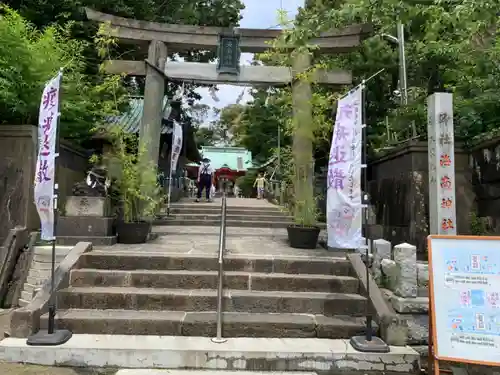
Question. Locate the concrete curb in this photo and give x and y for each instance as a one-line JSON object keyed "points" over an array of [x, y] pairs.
{"points": [[26, 320], [243, 354]]}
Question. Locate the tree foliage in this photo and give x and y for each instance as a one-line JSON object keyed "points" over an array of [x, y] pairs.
{"points": [[259, 126], [29, 58], [226, 123], [450, 45], [192, 12], [56, 33]]}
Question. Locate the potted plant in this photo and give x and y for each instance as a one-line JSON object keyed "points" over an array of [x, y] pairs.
{"points": [[304, 232], [136, 184]]}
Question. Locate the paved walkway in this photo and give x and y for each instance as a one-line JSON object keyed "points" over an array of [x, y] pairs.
{"points": [[231, 202], [205, 240]]}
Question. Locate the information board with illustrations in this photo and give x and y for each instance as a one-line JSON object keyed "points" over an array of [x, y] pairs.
{"points": [[465, 298]]}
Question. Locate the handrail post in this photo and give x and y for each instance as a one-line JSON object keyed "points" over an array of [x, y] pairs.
{"points": [[222, 247]]}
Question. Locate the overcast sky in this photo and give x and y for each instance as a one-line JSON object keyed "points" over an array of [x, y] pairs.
{"points": [[258, 14]]}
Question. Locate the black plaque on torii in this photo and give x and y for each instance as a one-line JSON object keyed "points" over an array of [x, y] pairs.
{"points": [[228, 53]]}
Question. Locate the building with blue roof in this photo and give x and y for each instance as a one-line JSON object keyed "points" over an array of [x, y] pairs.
{"points": [[228, 162]]}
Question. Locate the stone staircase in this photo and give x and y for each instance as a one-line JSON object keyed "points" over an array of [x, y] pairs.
{"points": [[39, 271], [139, 293], [262, 215]]}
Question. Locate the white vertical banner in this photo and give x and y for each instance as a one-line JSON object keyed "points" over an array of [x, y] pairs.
{"points": [[46, 161], [442, 205], [176, 146], [174, 157], [343, 203]]}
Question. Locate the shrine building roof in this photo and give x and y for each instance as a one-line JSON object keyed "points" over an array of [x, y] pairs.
{"points": [[235, 158]]}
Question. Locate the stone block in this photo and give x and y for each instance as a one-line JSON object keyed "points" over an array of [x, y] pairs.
{"points": [[418, 329], [416, 305], [394, 329], [381, 250], [423, 274], [389, 273], [405, 256], [92, 226], [87, 206]]}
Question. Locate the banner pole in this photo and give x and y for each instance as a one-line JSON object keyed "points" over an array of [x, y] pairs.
{"points": [[169, 185], [365, 203], [53, 337], [367, 343]]}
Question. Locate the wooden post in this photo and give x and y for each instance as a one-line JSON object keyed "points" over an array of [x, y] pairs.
{"points": [[303, 138], [149, 135]]}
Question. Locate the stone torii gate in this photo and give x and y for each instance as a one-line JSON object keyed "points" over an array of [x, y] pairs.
{"points": [[161, 38]]}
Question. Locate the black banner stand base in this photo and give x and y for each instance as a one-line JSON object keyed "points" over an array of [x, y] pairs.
{"points": [[44, 338], [375, 345]]}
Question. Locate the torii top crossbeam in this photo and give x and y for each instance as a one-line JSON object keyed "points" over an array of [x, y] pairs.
{"points": [[185, 37]]}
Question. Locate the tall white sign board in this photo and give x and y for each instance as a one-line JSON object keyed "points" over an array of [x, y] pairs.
{"points": [[465, 298], [442, 209]]}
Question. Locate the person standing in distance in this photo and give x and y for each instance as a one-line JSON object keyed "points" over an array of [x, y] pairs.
{"points": [[205, 178], [261, 184]]}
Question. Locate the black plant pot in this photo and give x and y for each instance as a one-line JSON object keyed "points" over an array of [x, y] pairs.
{"points": [[301, 237], [131, 233]]}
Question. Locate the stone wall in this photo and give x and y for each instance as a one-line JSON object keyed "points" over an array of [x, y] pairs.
{"points": [[398, 187], [484, 162], [18, 155]]}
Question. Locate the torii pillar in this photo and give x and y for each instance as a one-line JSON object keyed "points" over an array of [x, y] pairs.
{"points": [[302, 148], [149, 144]]}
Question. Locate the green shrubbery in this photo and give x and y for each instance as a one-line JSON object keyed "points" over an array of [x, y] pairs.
{"points": [[29, 58]]}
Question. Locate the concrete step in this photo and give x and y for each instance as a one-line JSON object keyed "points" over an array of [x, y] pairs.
{"points": [[47, 249], [128, 298], [26, 295], [230, 223], [180, 323], [42, 266], [30, 288], [37, 280], [39, 275], [209, 280], [47, 258], [230, 208], [96, 241], [153, 261], [229, 217], [205, 372], [241, 353], [200, 210]]}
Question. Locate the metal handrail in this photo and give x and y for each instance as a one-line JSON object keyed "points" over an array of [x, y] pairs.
{"points": [[222, 248]]}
